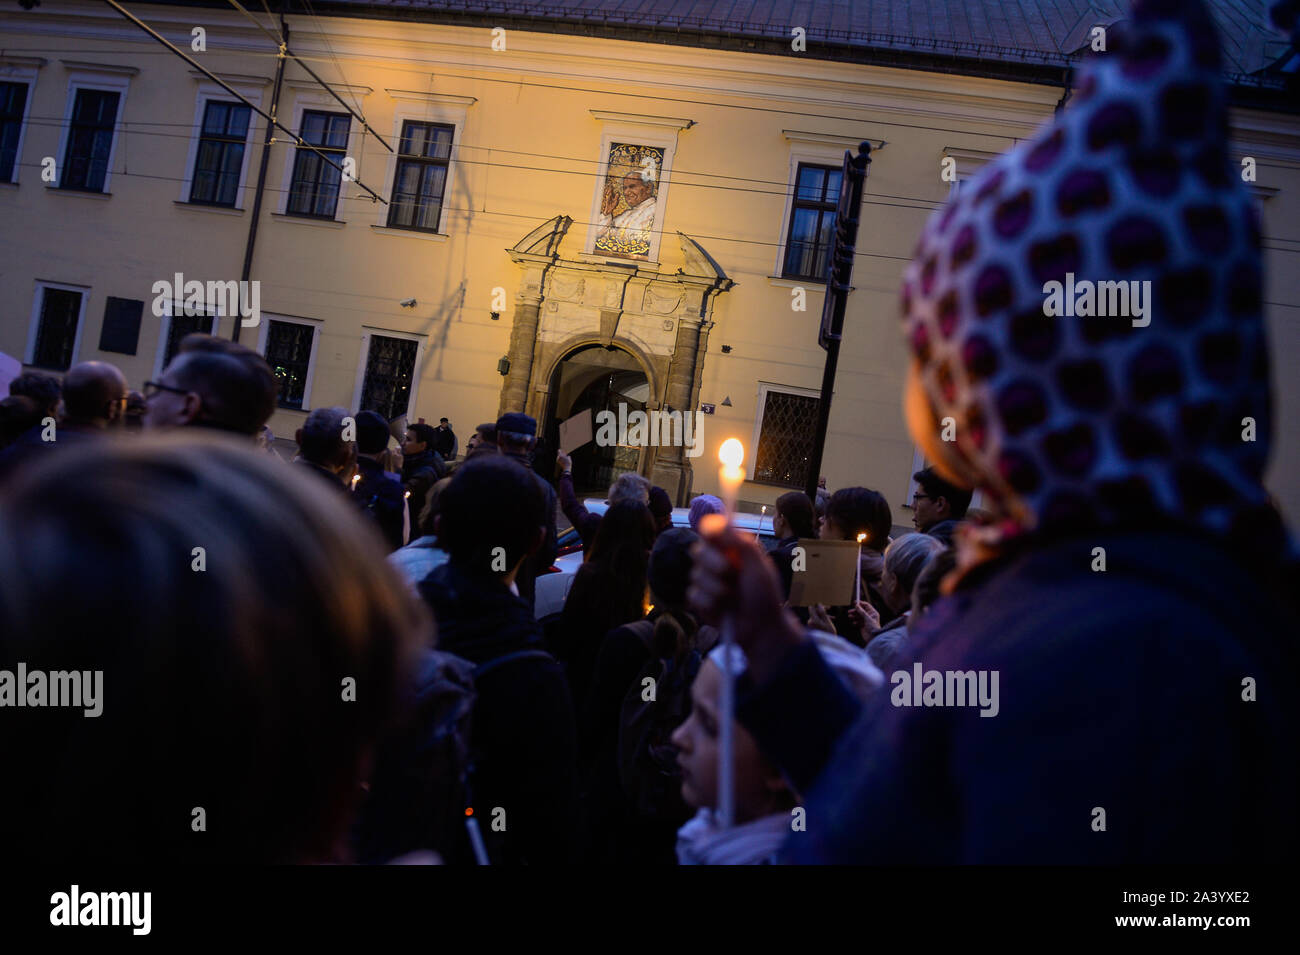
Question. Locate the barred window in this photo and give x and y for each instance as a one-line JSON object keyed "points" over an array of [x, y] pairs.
{"points": [[390, 370], [288, 352], [421, 176], [787, 426]]}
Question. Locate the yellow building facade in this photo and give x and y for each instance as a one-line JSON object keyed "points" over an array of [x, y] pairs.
{"points": [[567, 222]]}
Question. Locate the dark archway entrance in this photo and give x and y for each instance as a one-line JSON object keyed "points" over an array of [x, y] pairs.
{"points": [[596, 378]]}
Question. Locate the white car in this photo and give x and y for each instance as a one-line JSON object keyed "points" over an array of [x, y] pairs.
{"points": [[552, 587]]}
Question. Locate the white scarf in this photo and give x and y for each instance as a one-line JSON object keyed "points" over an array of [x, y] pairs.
{"points": [[703, 842]]}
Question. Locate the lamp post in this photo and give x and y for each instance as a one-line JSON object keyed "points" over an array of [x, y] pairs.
{"points": [[839, 272]]}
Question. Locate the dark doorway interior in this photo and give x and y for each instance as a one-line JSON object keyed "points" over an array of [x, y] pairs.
{"points": [[594, 379]]}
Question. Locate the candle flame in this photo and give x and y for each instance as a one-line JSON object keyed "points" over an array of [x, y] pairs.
{"points": [[732, 453], [861, 538]]}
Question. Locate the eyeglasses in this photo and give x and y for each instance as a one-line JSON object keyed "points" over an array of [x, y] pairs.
{"points": [[920, 497], [151, 389]]}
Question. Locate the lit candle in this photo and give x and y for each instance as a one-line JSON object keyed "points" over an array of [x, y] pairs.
{"points": [[730, 476], [857, 571], [355, 479]]}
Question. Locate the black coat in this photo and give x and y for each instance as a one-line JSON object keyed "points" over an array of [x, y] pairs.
{"points": [[419, 473], [523, 724]]}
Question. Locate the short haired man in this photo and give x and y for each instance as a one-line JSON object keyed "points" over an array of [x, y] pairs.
{"points": [[445, 442], [212, 383], [422, 467], [378, 492], [321, 446], [516, 436], [43, 389], [94, 397], [938, 505], [491, 518]]}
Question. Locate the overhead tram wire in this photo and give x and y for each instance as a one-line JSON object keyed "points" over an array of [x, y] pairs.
{"points": [[284, 48], [239, 96], [328, 46], [786, 189]]}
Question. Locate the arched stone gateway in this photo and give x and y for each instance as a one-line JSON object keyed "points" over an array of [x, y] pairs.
{"points": [[659, 321]]}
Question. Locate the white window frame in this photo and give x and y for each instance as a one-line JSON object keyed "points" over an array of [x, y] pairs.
{"points": [[311, 97], [315, 324], [14, 72], [89, 77], [660, 135], [764, 387], [422, 341], [208, 92], [165, 324], [803, 155], [418, 107], [819, 149], [29, 354]]}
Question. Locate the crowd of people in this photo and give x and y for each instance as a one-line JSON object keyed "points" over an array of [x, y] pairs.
{"points": [[337, 659]]}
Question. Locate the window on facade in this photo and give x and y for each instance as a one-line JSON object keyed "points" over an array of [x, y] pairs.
{"points": [[421, 176], [90, 140], [183, 323], [56, 332], [785, 441], [390, 369], [288, 352], [812, 219], [314, 190], [13, 101], [221, 154]]}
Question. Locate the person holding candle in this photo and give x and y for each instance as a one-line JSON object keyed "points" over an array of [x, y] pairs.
{"points": [[850, 512], [1136, 693], [765, 800]]}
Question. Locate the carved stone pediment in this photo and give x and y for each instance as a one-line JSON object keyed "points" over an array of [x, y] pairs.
{"points": [[660, 320]]}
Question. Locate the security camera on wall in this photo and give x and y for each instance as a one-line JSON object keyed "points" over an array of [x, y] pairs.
{"points": [[407, 303]]}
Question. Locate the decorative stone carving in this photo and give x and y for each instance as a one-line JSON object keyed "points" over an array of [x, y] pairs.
{"points": [[661, 320], [662, 298]]}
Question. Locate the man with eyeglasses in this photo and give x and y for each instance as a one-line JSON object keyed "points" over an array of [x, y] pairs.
{"points": [[937, 505], [212, 383]]}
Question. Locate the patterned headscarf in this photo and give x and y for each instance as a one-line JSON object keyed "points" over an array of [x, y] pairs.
{"points": [[1069, 423]]}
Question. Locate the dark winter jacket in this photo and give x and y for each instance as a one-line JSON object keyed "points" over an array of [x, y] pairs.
{"points": [[523, 730], [379, 494], [540, 562], [1121, 691], [582, 519], [419, 473]]}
